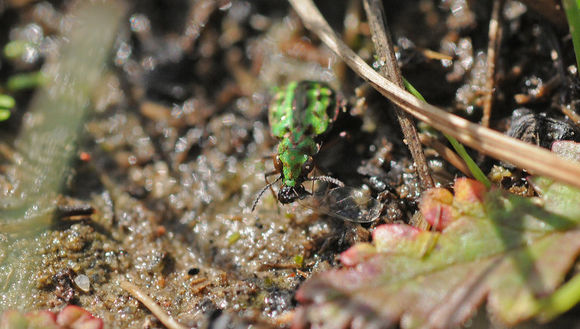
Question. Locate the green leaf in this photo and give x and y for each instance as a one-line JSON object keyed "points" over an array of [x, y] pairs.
{"points": [[506, 250]]}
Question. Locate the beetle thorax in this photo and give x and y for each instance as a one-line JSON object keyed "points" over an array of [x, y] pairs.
{"points": [[293, 155]]}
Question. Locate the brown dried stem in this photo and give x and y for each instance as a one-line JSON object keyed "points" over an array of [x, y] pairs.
{"points": [[570, 114], [446, 153], [390, 70], [532, 158], [198, 15], [141, 296], [492, 52]]}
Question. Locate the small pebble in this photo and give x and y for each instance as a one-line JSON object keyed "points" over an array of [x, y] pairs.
{"points": [[83, 283]]}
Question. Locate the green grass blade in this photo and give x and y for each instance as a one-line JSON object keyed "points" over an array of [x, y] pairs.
{"points": [[473, 167], [562, 300], [572, 9], [475, 170]]}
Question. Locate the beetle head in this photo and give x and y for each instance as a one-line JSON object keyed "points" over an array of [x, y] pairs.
{"points": [[289, 194]]}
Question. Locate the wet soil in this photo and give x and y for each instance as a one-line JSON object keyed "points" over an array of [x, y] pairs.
{"points": [[175, 151]]}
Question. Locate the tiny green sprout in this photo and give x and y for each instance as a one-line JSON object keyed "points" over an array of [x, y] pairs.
{"points": [[299, 260], [233, 238], [6, 103], [15, 49], [268, 282], [4, 114], [26, 81]]}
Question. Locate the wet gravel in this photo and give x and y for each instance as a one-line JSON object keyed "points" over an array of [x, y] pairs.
{"points": [[176, 149]]}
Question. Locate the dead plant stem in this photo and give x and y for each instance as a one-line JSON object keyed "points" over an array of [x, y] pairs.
{"points": [[390, 70], [150, 304], [493, 47], [446, 153], [495, 144]]}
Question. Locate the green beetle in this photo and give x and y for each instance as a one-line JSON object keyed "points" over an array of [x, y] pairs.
{"points": [[299, 115]]}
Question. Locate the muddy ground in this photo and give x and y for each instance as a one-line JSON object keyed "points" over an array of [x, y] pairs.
{"points": [[174, 150]]}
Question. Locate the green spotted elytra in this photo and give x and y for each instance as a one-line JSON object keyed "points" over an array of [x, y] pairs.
{"points": [[299, 114]]}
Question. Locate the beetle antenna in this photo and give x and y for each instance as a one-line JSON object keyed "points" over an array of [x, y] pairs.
{"points": [[328, 179], [262, 192]]}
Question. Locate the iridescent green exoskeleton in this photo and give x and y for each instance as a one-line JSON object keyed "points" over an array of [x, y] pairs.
{"points": [[299, 115]]}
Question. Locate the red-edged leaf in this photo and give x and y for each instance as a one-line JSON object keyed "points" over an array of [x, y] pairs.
{"points": [[503, 249], [71, 317]]}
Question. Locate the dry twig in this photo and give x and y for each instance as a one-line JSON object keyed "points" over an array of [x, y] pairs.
{"points": [[493, 45], [532, 158], [570, 114], [446, 153], [148, 302], [198, 16], [279, 266], [390, 70]]}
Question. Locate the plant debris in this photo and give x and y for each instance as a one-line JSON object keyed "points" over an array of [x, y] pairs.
{"points": [[156, 161], [69, 317], [495, 247]]}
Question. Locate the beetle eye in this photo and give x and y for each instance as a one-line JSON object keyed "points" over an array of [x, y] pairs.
{"points": [[277, 164], [308, 165]]}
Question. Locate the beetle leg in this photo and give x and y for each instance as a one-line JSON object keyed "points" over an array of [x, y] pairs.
{"points": [[270, 173]]}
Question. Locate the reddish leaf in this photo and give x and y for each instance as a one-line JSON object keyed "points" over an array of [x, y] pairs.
{"points": [[436, 207], [75, 317], [498, 248], [71, 317]]}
